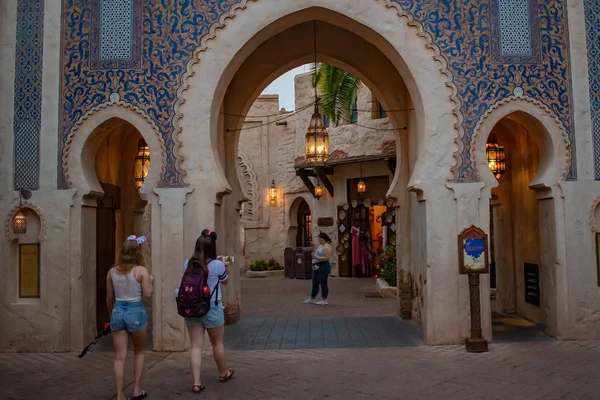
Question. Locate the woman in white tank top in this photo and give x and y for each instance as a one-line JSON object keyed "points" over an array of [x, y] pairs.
{"points": [[127, 283]]}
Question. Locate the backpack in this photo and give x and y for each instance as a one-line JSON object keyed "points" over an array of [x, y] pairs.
{"points": [[194, 296]]}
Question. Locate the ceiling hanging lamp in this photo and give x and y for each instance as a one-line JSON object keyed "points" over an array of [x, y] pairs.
{"points": [[362, 186], [495, 156], [317, 137]]}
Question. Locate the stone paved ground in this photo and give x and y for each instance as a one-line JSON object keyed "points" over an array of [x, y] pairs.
{"points": [[535, 370], [278, 297]]}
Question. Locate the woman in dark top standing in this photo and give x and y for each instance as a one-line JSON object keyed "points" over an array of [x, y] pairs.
{"points": [[321, 270]]}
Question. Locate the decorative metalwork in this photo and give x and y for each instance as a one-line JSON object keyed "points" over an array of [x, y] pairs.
{"points": [[28, 93], [142, 163]]}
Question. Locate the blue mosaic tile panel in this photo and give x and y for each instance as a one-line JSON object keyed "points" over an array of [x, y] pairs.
{"points": [[515, 31], [466, 31], [515, 28], [28, 93], [116, 29], [115, 34], [592, 25]]}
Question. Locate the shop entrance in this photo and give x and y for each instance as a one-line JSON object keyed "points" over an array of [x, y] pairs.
{"points": [[366, 227]]}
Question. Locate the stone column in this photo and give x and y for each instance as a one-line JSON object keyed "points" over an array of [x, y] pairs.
{"points": [[167, 265], [472, 206]]}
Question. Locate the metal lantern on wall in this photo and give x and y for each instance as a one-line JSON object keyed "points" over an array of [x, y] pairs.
{"points": [[19, 220], [273, 192], [495, 157], [142, 163], [20, 223], [318, 191], [317, 139]]}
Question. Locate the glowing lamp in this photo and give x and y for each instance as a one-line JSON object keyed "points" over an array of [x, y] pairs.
{"points": [[20, 224], [361, 187], [142, 163], [496, 159], [273, 192], [318, 191], [317, 139]]}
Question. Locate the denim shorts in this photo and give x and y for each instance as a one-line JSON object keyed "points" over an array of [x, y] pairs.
{"points": [[128, 316], [214, 318]]}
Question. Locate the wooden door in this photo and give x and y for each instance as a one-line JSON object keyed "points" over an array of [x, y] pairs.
{"points": [[105, 259], [106, 232], [304, 232]]}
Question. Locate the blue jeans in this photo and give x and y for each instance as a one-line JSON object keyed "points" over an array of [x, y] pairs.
{"points": [[319, 278], [128, 316]]}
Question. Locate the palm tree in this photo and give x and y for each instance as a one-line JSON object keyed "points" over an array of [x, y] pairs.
{"points": [[338, 90]]}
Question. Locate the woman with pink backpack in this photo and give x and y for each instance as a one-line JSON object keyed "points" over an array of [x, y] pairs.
{"points": [[199, 302]]}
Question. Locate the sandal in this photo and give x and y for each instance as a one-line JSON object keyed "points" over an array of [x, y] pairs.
{"points": [[197, 388], [228, 375], [141, 396]]}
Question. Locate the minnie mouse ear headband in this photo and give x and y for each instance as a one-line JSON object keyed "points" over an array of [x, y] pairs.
{"points": [[139, 240], [209, 233]]}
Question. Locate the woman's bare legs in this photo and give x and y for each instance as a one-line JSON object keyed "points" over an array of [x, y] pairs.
{"points": [[120, 339], [216, 338], [197, 340], [139, 353]]}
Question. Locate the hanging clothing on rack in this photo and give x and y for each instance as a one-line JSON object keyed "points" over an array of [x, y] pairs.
{"points": [[355, 246], [369, 242], [384, 230], [364, 257]]}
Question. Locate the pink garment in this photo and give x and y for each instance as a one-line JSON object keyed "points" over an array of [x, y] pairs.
{"points": [[355, 246]]}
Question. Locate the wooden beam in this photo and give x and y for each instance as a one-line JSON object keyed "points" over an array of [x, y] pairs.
{"points": [[322, 173], [304, 175]]}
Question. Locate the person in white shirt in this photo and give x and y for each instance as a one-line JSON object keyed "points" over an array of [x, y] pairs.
{"points": [[205, 256]]}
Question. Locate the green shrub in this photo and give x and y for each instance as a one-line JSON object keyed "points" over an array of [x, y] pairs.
{"points": [[389, 265], [262, 265], [273, 265], [259, 265]]}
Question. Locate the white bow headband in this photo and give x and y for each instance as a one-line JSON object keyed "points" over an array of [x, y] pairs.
{"points": [[139, 240]]}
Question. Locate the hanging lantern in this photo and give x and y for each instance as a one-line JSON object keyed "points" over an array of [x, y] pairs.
{"points": [[20, 224], [496, 159], [142, 163], [273, 192], [361, 187], [318, 191], [317, 139]]}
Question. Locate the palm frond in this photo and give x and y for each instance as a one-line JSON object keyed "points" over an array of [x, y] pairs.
{"points": [[338, 90]]}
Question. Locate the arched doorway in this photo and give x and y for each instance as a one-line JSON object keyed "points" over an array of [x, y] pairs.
{"points": [[525, 243], [300, 230], [122, 162]]}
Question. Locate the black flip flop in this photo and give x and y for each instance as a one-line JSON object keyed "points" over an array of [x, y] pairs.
{"points": [[200, 389], [141, 396]]}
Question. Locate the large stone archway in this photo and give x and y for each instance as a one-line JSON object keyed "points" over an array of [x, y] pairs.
{"points": [[396, 62]]}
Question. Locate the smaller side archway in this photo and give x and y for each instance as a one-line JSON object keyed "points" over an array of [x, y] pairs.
{"points": [[524, 211]]}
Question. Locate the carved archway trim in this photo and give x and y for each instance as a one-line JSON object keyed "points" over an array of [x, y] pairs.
{"points": [[411, 22], [113, 102], [8, 232], [544, 108], [591, 217], [249, 187]]}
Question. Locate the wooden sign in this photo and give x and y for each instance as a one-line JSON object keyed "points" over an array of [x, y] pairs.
{"points": [[29, 270], [473, 252], [325, 221]]}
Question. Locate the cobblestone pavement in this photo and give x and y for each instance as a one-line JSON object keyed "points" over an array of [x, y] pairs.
{"points": [[535, 370]]}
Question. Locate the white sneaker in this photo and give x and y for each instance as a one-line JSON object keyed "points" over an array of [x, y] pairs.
{"points": [[322, 303], [310, 300]]}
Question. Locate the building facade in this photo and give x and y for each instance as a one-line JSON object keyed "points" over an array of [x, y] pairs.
{"points": [[90, 87]]}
